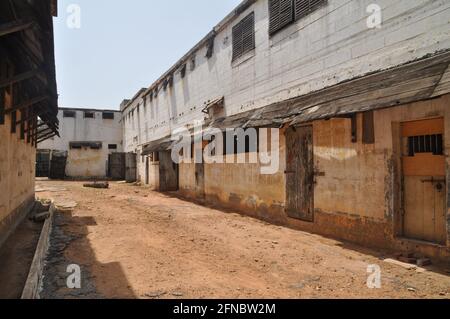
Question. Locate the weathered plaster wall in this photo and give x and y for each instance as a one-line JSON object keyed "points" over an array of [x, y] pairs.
{"points": [[17, 172], [187, 179], [87, 162]]}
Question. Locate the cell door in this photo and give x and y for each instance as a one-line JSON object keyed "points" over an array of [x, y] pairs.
{"points": [[300, 173], [424, 180]]}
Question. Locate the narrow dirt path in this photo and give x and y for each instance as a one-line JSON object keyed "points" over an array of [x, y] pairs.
{"points": [[134, 243]]}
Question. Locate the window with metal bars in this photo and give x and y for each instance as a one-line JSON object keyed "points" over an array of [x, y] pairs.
{"points": [[284, 12], [71, 114], [425, 144], [281, 14], [108, 115], [305, 7], [244, 36]]}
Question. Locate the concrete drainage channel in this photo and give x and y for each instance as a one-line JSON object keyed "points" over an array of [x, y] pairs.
{"points": [[35, 276], [35, 281]]}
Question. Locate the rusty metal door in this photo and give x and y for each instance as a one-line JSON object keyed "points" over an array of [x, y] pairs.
{"points": [[116, 166], [58, 165], [300, 173], [168, 172], [424, 181], [42, 163]]}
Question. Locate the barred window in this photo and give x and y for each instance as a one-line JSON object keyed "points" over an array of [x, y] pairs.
{"points": [[108, 115], [244, 36], [305, 7], [71, 114], [284, 12], [281, 14]]}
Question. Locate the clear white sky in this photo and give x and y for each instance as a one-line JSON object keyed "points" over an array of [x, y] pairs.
{"points": [[124, 45]]}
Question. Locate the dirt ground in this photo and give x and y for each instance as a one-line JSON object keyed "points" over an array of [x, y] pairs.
{"points": [[134, 243]]}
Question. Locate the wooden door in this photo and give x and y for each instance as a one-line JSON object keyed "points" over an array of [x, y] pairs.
{"points": [[300, 173], [147, 171], [168, 172], [424, 180], [200, 180]]}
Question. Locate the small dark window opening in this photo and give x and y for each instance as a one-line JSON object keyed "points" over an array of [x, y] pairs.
{"points": [[244, 36], [89, 115], [306, 7], [426, 144], [193, 64], [284, 12], [71, 114], [183, 71], [368, 128], [210, 47], [112, 146], [108, 115]]}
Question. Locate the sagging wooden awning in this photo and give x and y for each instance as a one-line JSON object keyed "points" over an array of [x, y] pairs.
{"points": [[415, 81], [163, 144], [27, 52]]}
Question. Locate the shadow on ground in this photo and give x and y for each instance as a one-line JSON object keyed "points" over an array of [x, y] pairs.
{"points": [[56, 272]]}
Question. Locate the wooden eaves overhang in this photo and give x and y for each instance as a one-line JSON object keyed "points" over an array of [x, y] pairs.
{"points": [[419, 80], [27, 44]]}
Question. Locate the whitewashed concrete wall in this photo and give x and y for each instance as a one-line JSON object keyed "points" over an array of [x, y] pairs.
{"points": [[87, 162], [331, 45]]}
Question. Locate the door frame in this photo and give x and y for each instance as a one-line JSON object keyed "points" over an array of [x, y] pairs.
{"points": [[399, 201], [312, 203]]}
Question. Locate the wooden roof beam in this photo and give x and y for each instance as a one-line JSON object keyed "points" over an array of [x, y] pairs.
{"points": [[19, 78], [13, 27], [26, 104]]}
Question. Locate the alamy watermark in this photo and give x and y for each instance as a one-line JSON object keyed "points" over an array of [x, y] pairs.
{"points": [[375, 20], [374, 278], [73, 20], [74, 279], [242, 146]]}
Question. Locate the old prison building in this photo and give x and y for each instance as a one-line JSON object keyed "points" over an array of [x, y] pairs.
{"points": [[359, 94]]}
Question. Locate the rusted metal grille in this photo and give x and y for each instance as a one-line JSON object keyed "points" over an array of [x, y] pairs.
{"points": [[425, 144], [71, 114], [281, 13], [305, 7], [244, 36], [108, 115]]}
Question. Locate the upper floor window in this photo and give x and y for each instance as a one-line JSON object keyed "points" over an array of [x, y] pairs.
{"points": [[108, 115], [89, 115], [71, 114], [285, 12], [244, 36]]}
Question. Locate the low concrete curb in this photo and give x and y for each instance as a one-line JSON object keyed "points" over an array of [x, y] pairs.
{"points": [[34, 280]]}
